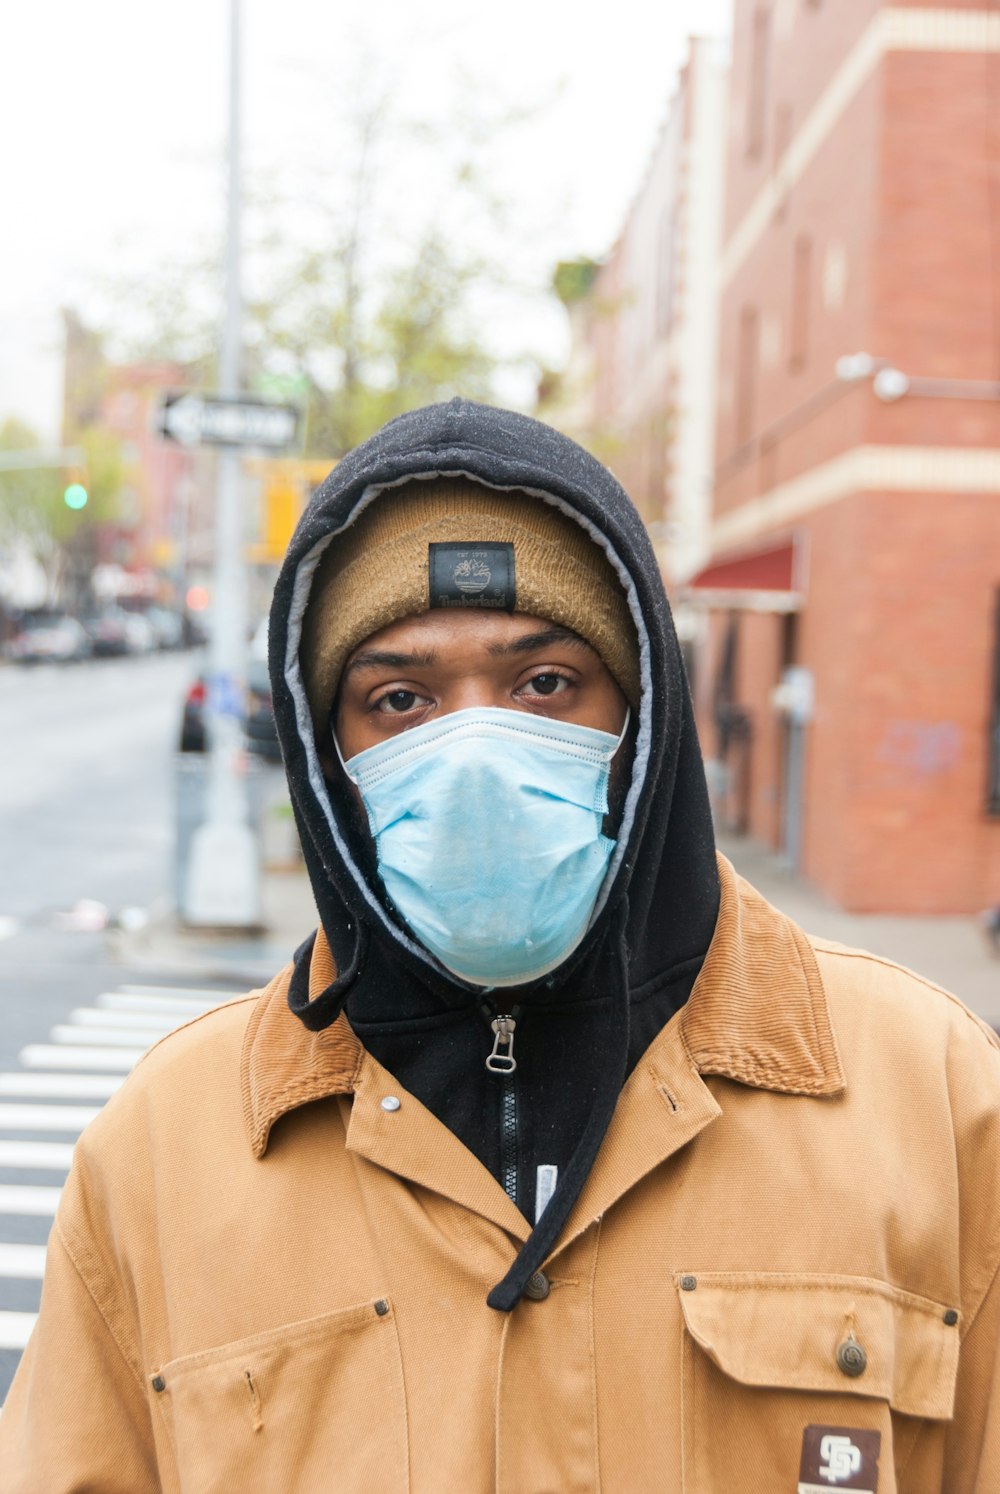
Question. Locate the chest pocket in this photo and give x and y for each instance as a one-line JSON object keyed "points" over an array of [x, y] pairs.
{"points": [[314, 1405], [769, 1359]]}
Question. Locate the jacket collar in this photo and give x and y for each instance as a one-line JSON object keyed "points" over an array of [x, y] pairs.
{"points": [[283, 1064], [758, 1014]]}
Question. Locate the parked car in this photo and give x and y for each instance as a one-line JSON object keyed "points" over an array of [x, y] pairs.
{"points": [[258, 720], [194, 736], [51, 637], [109, 633], [140, 635], [168, 626], [262, 734]]}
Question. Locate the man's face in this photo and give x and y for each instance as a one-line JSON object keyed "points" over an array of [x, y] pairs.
{"points": [[421, 668]]}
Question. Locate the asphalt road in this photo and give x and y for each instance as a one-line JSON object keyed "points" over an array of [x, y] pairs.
{"points": [[86, 819], [86, 785]]}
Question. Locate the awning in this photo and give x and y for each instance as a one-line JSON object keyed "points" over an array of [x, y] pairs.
{"points": [[763, 580]]}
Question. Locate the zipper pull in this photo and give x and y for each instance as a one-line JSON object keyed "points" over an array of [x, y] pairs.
{"points": [[502, 1063]]}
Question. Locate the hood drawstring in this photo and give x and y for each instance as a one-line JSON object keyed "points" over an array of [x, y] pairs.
{"points": [[508, 1292], [318, 1013]]}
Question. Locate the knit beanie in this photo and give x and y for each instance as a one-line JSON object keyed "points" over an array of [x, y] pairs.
{"points": [[384, 568]]}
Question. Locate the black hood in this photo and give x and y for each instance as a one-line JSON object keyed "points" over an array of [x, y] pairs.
{"points": [[657, 910]]}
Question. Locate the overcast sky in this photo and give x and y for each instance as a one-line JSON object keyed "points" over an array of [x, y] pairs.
{"points": [[112, 123]]}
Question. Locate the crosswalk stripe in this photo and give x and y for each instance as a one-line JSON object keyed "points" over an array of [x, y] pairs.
{"points": [[108, 1038], [115, 1001], [25, 1261], [15, 1329], [46, 1117], [52, 1056], [156, 1023], [112, 1037], [37, 1086], [22, 1198], [58, 1154]]}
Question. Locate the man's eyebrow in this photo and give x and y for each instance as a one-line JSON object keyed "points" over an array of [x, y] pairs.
{"points": [[529, 642], [378, 658]]}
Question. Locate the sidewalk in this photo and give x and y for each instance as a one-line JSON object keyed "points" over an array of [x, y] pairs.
{"points": [[239, 959], [953, 952]]}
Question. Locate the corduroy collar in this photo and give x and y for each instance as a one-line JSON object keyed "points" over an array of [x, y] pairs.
{"points": [[758, 1014]]}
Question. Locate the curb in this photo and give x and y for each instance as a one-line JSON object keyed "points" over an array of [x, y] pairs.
{"points": [[247, 957]]}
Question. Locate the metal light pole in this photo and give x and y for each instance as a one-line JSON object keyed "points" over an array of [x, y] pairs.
{"points": [[223, 881]]}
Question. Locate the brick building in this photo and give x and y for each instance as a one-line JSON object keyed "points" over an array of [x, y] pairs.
{"points": [[639, 389], [849, 668], [161, 535]]}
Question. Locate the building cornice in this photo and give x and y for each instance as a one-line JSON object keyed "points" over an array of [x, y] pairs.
{"points": [[863, 469]]}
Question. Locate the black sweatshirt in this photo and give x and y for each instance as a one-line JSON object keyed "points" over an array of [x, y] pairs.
{"points": [[582, 1028]]}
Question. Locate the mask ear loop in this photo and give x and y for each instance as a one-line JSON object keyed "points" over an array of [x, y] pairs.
{"points": [[625, 726], [340, 755]]}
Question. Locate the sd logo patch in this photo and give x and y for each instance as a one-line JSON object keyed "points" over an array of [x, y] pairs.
{"points": [[839, 1458]]}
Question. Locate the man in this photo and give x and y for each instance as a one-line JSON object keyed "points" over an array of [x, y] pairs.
{"points": [[558, 1160]]}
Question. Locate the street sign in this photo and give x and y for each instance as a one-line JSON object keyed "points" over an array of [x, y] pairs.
{"points": [[203, 420]]}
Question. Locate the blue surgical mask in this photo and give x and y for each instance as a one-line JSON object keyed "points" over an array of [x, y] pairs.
{"points": [[488, 829]]}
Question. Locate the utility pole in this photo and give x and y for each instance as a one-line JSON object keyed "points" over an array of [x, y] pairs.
{"points": [[223, 880]]}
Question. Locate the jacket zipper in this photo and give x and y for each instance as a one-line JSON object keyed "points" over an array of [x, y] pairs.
{"points": [[501, 1061], [508, 1138]]}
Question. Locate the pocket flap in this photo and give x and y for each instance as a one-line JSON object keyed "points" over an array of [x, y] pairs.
{"points": [[282, 1409], [785, 1331]]}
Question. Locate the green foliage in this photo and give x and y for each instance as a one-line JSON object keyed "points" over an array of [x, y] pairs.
{"points": [[573, 278], [105, 471], [356, 307], [31, 507], [33, 511]]}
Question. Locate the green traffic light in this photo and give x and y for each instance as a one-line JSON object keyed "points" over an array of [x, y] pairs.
{"points": [[76, 495]]}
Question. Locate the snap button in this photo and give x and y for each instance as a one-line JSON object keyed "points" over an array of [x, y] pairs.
{"points": [[381, 1307], [951, 1317], [390, 1103], [538, 1287], [851, 1358], [688, 1283], [158, 1383]]}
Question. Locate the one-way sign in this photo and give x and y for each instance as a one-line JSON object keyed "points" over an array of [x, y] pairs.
{"points": [[203, 420]]}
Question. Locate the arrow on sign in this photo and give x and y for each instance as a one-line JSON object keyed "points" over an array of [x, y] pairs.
{"points": [[200, 420]]}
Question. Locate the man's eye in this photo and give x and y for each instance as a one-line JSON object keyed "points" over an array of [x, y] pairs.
{"points": [[397, 701], [546, 684]]}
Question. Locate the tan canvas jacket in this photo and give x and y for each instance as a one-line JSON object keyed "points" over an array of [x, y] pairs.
{"points": [[781, 1274]]}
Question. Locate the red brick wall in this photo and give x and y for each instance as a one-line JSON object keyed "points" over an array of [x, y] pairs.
{"points": [[905, 708], [899, 615], [835, 205], [805, 56], [937, 267], [899, 636]]}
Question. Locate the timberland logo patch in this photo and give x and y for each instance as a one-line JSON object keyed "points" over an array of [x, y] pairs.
{"points": [[472, 575], [839, 1458]]}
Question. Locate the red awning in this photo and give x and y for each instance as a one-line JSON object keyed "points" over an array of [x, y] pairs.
{"points": [[762, 580]]}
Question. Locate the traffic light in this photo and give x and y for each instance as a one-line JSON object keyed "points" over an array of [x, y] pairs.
{"points": [[76, 496]]}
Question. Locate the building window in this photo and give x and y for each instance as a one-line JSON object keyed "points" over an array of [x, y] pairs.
{"points": [[747, 361], [798, 349], [993, 788], [666, 277], [760, 58], [782, 140]]}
